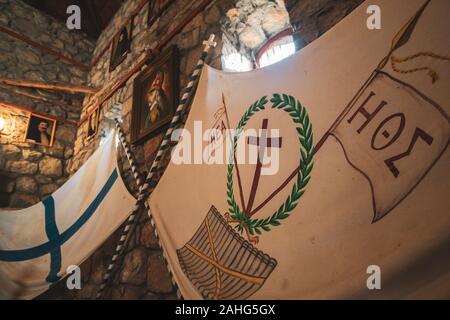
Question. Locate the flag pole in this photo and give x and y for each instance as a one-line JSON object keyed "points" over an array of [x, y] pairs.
{"points": [[399, 40], [128, 229], [145, 187]]}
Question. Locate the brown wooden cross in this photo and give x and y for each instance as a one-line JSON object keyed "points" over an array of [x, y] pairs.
{"points": [[262, 142]]}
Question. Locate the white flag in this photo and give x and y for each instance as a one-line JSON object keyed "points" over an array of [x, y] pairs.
{"points": [[37, 244], [232, 232]]}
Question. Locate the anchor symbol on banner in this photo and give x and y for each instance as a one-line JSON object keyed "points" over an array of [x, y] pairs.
{"points": [[242, 215], [262, 142], [205, 257]]}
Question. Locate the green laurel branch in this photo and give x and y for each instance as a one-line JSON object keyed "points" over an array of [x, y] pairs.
{"points": [[300, 118]]}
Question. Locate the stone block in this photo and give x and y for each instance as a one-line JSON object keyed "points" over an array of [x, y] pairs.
{"points": [[147, 237], [212, 15], [31, 155], [9, 151], [52, 167], [26, 184], [21, 200], [43, 179], [21, 167], [158, 279], [65, 133], [134, 267], [189, 39], [48, 189]]}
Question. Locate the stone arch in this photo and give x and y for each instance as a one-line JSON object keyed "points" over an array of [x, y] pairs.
{"points": [[247, 27]]}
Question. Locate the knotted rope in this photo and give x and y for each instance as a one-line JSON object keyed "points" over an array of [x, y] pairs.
{"points": [[431, 72], [146, 187]]}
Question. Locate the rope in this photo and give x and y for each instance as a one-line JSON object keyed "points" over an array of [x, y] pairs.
{"points": [[146, 187], [431, 72], [132, 217]]}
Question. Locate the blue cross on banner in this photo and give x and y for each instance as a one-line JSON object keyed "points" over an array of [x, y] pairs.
{"points": [[38, 243], [56, 240]]}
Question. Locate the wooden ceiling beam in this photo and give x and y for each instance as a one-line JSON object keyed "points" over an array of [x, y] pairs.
{"points": [[40, 85], [28, 110]]}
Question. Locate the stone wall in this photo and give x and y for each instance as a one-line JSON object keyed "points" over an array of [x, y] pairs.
{"points": [[251, 23], [312, 18], [30, 172], [141, 273], [189, 46]]}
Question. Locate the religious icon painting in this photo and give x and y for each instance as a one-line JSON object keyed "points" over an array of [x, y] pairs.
{"points": [[40, 130], [121, 45], [92, 124], [155, 8], [155, 97]]}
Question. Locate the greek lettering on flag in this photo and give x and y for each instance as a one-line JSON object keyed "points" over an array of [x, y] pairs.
{"points": [[398, 127]]}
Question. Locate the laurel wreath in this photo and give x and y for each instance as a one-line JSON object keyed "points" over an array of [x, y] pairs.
{"points": [[300, 117]]}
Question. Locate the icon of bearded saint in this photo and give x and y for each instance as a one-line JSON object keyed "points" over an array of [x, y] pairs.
{"points": [[123, 45], [156, 101]]}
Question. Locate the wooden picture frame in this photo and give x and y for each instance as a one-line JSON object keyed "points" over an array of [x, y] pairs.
{"points": [[155, 96], [155, 8], [35, 133], [93, 123], [121, 45]]}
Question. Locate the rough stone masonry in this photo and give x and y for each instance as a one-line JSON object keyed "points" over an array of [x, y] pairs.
{"points": [[28, 173]]}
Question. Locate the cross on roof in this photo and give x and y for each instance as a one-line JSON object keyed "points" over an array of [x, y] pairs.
{"points": [[210, 42]]}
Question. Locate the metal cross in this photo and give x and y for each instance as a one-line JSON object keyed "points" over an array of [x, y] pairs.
{"points": [[210, 42]]}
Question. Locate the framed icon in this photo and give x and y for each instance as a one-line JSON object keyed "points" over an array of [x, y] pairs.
{"points": [[155, 96], [40, 130]]}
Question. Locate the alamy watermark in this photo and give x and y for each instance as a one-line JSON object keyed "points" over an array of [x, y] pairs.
{"points": [[374, 280], [74, 277], [374, 20], [216, 146], [74, 20]]}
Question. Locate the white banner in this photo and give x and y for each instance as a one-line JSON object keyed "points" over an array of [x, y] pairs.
{"points": [[37, 244], [359, 119]]}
